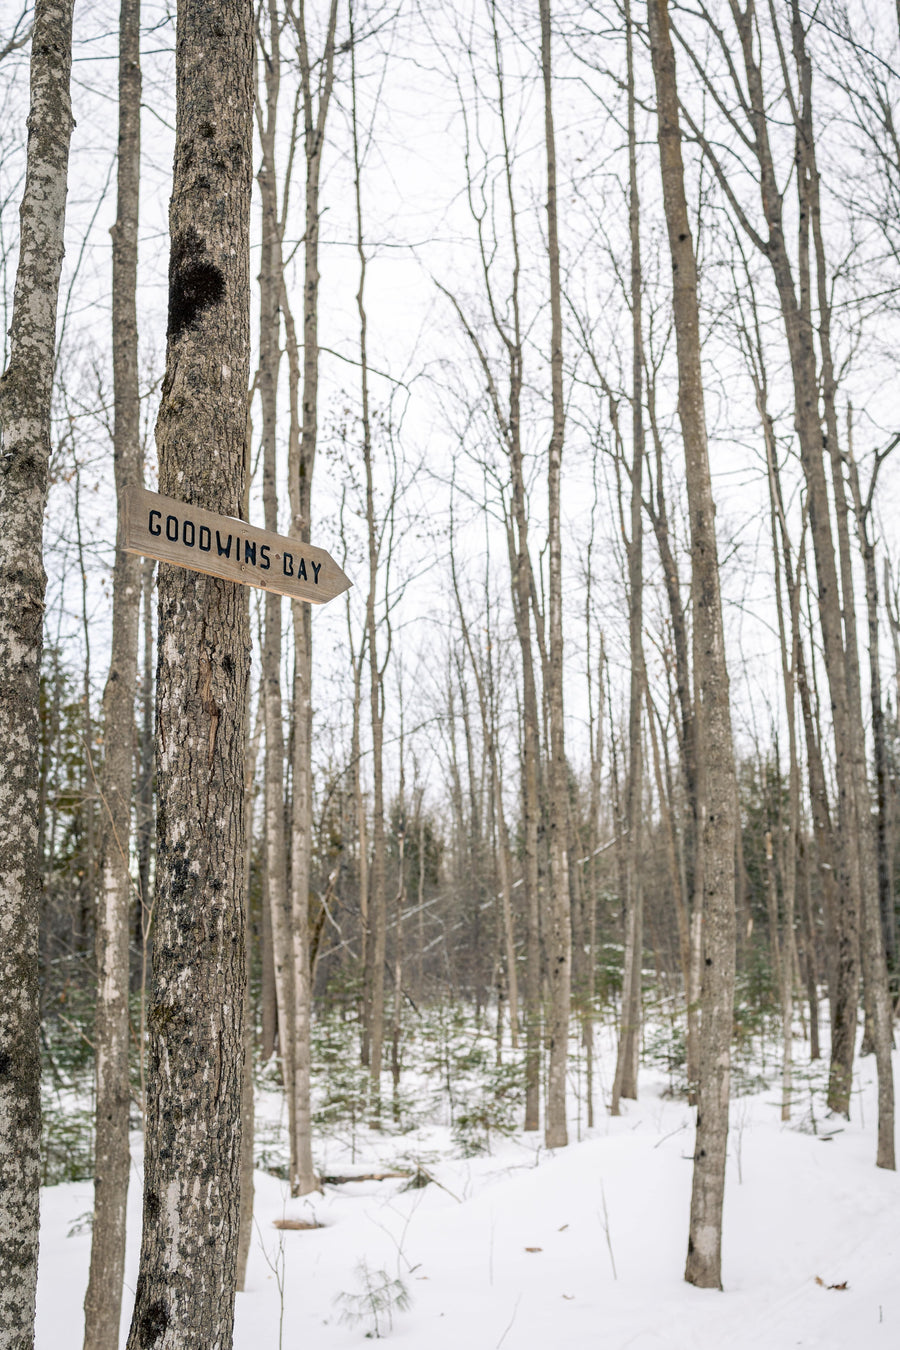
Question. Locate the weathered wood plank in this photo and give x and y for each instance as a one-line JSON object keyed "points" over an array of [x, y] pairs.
{"points": [[188, 536]]}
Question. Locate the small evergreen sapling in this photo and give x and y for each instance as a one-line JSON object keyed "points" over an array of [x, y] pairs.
{"points": [[378, 1298]]}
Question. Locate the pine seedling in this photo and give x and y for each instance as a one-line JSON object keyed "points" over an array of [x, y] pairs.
{"points": [[378, 1298]]}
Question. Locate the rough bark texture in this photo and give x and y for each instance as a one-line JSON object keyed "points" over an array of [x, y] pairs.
{"points": [[25, 394], [717, 791], [186, 1281], [103, 1300], [559, 936]]}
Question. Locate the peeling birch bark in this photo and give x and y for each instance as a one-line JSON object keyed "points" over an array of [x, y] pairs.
{"points": [[25, 399]]}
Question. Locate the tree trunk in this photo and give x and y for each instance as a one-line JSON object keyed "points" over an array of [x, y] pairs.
{"points": [[186, 1280], [25, 400], [376, 930], [717, 790], [625, 1082], [378, 905], [790, 652], [277, 899], [301, 472], [658, 512], [144, 819], [484, 691], [112, 1161], [883, 836], [248, 1114], [399, 906], [559, 937], [268, 1000], [878, 901]]}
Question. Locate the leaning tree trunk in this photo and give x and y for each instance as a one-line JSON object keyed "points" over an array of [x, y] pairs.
{"points": [[25, 397], [186, 1280], [717, 788], [559, 936], [112, 1162]]}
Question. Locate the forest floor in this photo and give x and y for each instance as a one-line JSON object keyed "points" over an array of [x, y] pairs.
{"points": [[519, 1248]]}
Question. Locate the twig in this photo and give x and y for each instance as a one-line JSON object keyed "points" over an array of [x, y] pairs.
{"points": [[509, 1324], [605, 1222]]}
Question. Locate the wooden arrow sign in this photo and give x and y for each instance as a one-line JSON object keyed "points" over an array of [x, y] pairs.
{"points": [[163, 528]]}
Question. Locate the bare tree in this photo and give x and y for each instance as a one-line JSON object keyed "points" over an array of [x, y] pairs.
{"points": [[271, 287], [798, 284], [559, 938], [626, 1075], [504, 389], [717, 789], [186, 1281], [25, 402], [316, 84], [112, 1161]]}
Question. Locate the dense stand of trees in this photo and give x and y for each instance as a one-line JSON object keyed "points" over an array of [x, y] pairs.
{"points": [[537, 756]]}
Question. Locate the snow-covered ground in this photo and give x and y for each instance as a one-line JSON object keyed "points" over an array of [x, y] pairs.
{"points": [[527, 1250]]}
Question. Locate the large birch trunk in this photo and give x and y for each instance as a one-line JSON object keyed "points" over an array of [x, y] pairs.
{"points": [[186, 1280], [25, 398]]}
